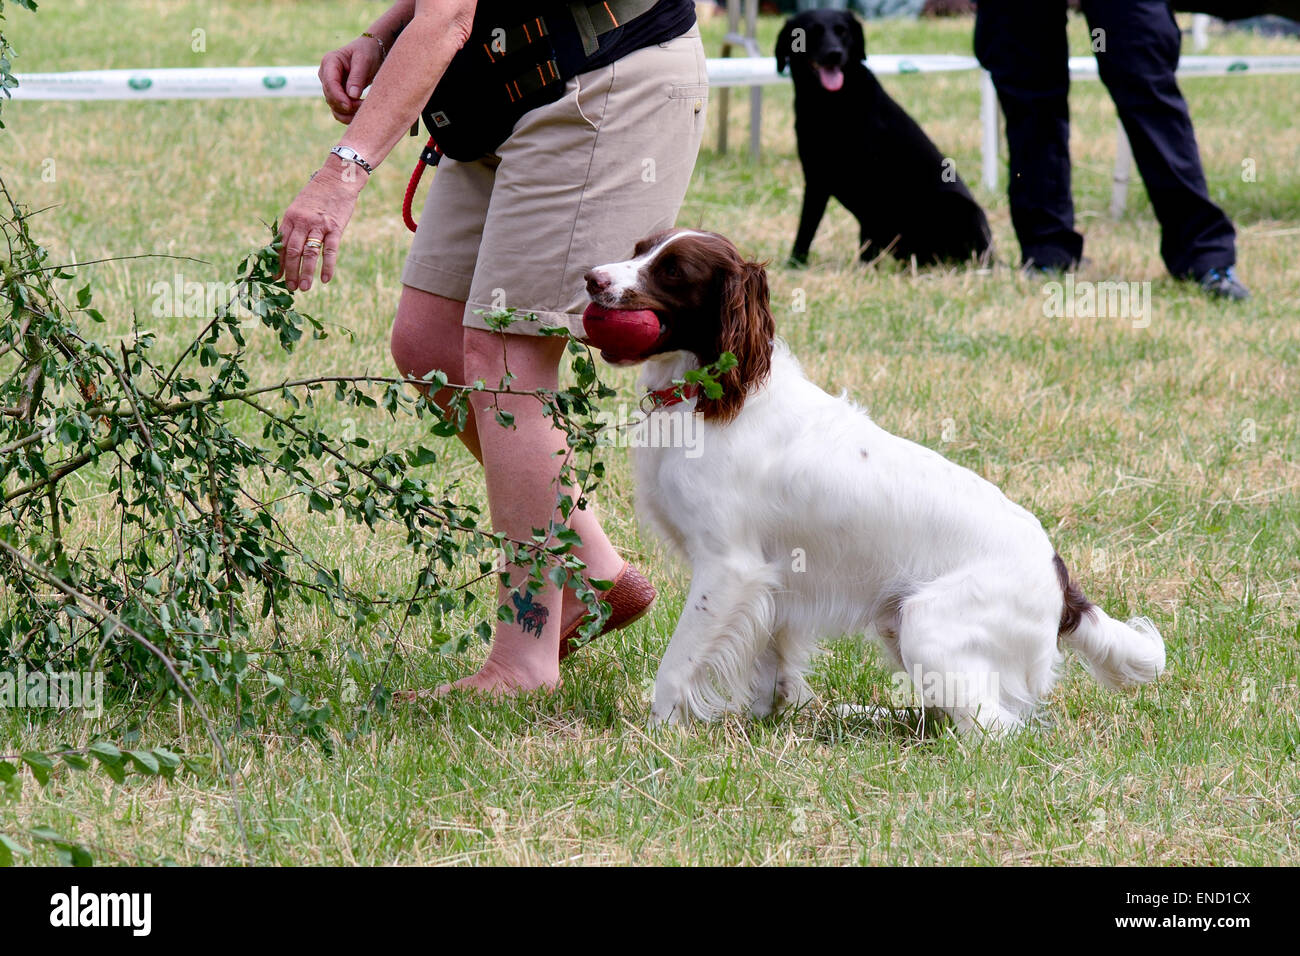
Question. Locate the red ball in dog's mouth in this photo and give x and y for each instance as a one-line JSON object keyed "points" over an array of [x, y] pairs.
{"points": [[622, 334]]}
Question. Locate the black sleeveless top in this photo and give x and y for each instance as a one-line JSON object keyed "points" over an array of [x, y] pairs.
{"points": [[488, 87], [665, 20]]}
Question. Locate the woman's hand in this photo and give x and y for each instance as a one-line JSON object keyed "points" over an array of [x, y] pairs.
{"points": [[314, 223], [433, 32], [346, 72]]}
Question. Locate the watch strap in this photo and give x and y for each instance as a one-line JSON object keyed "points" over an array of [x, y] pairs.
{"points": [[350, 155]]}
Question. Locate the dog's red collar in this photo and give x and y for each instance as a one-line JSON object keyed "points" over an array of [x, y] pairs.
{"points": [[672, 395]]}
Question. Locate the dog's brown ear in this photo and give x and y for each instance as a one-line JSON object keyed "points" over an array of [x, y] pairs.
{"points": [[746, 331]]}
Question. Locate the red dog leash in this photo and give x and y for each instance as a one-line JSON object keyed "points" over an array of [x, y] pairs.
{"points": [[429, 156]]}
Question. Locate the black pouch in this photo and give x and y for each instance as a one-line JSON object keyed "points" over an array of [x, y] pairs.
{"points": [[508, 67]]}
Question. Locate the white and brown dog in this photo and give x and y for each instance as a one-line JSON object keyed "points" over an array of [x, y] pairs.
{"points": [[803, 520]]}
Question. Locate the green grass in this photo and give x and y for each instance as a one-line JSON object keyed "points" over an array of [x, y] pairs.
{"points": [[1128, 443]]}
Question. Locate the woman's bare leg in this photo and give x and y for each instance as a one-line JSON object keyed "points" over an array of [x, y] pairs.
{"points": [[428, 334], [522, 465]]}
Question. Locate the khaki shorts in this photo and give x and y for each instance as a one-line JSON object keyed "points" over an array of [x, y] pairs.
{"points": [[578, 182]]}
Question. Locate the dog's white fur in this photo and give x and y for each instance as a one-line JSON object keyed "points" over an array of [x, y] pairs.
{"points": [[803, 520]]}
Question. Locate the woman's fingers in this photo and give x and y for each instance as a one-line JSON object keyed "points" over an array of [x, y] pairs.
{"points": [[286, 229], [313, 226], [291, 256], [311, 249], [329, 256], [345, 73], [333, 73], [301, 249], [363, 64]]}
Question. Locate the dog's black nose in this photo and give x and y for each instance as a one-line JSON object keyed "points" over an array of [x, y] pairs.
{"points": [[597, 281]]}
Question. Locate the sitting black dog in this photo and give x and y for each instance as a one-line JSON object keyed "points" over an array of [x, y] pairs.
{"points": [[858, 145]]}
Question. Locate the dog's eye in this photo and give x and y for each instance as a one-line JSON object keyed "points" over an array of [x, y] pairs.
{"points": [[671, 269]]}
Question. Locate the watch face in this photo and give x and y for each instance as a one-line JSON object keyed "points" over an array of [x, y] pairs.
{"points": [[348, 154]]}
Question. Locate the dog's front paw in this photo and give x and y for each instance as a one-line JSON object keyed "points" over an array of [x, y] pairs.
{"points": [[792, 692], [665, 713], [670, 705]]}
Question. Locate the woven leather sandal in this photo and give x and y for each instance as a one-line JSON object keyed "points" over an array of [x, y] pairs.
{"points": [[629, 598]]}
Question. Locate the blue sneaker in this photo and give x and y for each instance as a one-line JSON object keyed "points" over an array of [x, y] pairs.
{"points": [[1223, 284]]}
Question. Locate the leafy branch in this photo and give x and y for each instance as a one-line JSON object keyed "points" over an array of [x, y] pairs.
{"points": [[152, 511]]}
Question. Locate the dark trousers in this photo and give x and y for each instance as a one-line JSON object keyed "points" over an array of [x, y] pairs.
{"points": [[1022, 43]]}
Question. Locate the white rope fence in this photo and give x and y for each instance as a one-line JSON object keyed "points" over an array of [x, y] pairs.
{"points": [[222, 83], [252, 82], [248, 82]]}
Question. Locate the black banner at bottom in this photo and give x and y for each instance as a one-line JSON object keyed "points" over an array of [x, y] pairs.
{"points": [[942, 906]]}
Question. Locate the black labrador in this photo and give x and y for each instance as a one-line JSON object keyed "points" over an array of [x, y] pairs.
{"points": [[858, 145]]}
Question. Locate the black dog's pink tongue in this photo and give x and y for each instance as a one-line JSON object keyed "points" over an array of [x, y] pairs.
{"points": [[832, 77]]}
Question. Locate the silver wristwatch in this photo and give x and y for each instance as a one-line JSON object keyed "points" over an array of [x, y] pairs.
{"points": [[350, 155]]}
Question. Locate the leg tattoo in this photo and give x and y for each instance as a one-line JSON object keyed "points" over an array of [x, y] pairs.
{"points": [[530, 615]]}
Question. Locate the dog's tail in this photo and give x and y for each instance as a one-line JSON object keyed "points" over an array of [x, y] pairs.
{"points": [[1118, 654]]}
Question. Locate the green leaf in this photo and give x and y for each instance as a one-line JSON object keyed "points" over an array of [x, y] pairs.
{"points": [[103, 750], [80, 855], [418, 456], [568, 536], [73, 854], [7, 850], [9, 782], [144, 762], [75, 761], [40, 765], [168, 762], [110, 758]]}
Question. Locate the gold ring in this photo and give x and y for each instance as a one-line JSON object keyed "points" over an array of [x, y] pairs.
{"points": [[313, 243]]}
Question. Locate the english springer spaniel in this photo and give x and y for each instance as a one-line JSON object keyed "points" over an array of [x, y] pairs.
{"points": [[803, 520]]}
